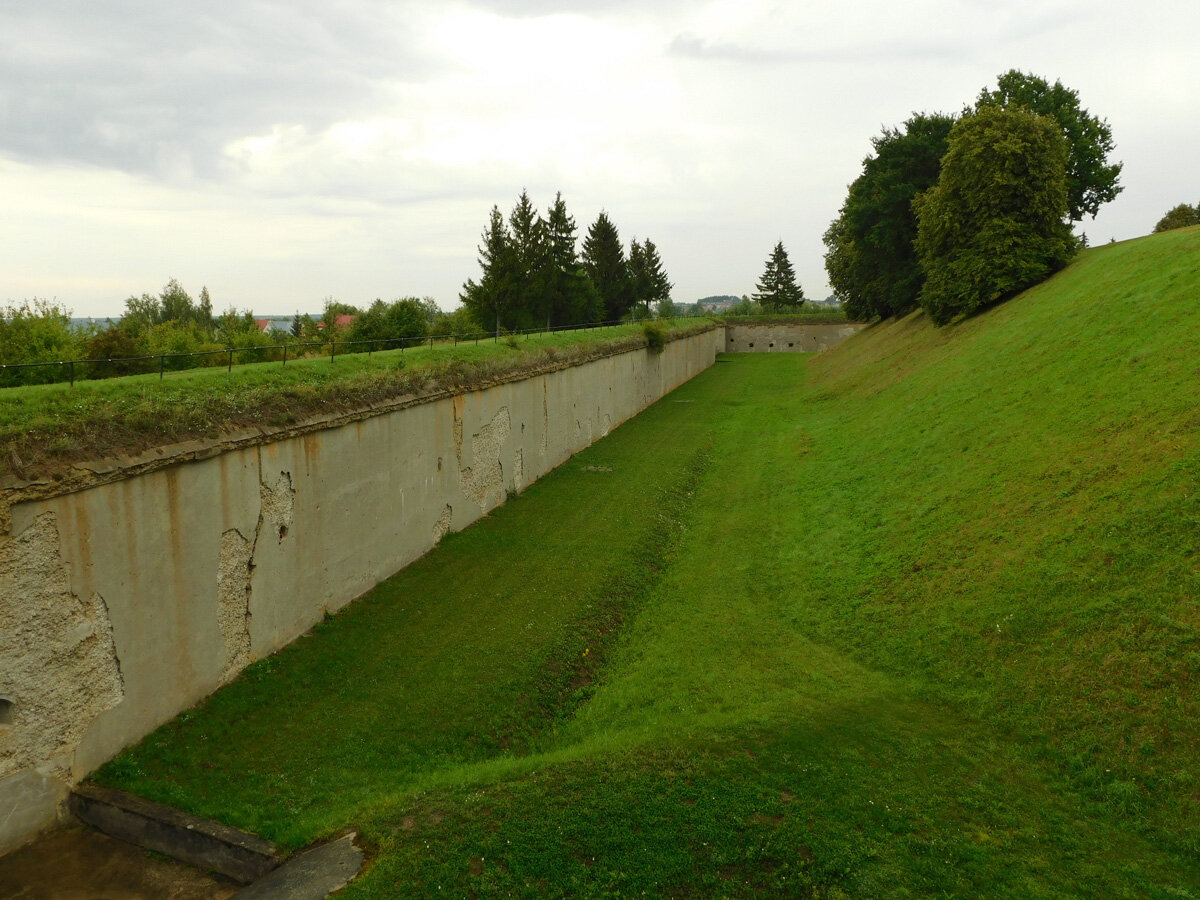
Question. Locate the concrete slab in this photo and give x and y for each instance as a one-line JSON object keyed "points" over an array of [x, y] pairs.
{"points": [[310, 875]]}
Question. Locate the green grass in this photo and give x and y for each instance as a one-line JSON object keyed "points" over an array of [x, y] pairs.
{"points": [[45, 428], [919, 615]]}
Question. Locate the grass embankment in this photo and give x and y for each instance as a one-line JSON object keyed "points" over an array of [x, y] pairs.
{"points": [[44, 428], [918, 615]]}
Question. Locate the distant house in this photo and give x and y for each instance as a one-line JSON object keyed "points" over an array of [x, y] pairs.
{"points": [[266, 326], [341, 322]]}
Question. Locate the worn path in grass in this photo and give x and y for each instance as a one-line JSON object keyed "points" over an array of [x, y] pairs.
{"points": [[917, 616]]}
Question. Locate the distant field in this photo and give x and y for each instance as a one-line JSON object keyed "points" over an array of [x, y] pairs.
{"points": [[919, 615]]}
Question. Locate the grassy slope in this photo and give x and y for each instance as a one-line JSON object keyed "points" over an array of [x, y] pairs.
{"points": [[918, 615], [45, 427]]}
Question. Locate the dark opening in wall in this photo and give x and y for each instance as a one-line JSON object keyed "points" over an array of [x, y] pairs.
{"points": [[772, 344], [6, 711], [752, 343], [790, 343]]}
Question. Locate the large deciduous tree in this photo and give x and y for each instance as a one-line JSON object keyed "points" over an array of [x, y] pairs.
{"points": [[777, 288], [1091, 180], [871, 258], [605, 264], [994, 224]]}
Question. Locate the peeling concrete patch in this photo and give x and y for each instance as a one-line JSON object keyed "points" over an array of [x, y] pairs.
{"points": [[58, 664], [486, 477], [519, 470], [442, 526], [278, 505], [545, 416], [233, 601]]}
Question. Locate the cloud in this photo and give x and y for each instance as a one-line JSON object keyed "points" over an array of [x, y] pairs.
{"points": [[161, 88]]}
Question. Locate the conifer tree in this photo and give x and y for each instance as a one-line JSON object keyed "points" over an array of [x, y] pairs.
{"points": [[650, 282], [530, 293], [605, 263], [660, 285], [570, 297], [777, 289], [491, 299]]}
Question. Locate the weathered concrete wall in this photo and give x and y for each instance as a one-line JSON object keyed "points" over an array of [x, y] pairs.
{"points": [[124, 603], [786, 338]]}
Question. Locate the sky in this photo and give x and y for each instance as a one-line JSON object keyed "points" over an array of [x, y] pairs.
{"points": [[283, 152]]}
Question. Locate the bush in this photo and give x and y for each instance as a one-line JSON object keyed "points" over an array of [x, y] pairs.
{"points": [[656, 336], [117, 343], [1182, 216], [35, 331]]}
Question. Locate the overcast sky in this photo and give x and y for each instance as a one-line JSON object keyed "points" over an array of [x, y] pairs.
{"points": [[282, 152]]}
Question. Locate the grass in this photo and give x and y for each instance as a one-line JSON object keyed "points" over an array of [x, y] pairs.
{"points": [[919, 615], [45, 428]]}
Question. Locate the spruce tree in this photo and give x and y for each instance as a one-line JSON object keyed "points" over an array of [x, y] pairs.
{"points": [[490, 300], [570, 296], [604, 261], [529, 300], [650, 282], [656, 276], [777, 289]]}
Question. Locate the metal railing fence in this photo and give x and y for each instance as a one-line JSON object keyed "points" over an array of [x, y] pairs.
{"points": [[72, 370]]}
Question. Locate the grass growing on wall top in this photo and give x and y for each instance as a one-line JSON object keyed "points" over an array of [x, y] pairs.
{"points": [[919, 615], [45, 427]]}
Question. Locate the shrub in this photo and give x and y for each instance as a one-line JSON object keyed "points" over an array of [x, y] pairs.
{"points": [[656, 336]]}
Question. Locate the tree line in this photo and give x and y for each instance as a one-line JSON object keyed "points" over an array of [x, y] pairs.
{"points": [[533, 274], [175, 324], [954, 213]]}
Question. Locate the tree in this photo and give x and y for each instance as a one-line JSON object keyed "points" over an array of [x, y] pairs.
{"points": [[1090, 179], [994, 224], [605, 264], [1179, 217], [531, 301], [404, 318], [571, 296], [778, 288], [35, 331], [650, 282], [492, 298], [870, 257]]}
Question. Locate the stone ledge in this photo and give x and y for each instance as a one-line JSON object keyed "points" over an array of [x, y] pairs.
{"points": [[209, 845]]}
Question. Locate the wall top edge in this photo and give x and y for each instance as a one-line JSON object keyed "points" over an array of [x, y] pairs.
{"points": [[89, 474]]}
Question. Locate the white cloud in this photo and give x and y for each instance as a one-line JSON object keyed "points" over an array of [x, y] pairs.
{"points": [[279, 151]]}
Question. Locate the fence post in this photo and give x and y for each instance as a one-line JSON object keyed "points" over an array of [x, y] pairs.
{"points": [[285, 348], [230, 369], [72, 373], [332, 350], [162, 361]]}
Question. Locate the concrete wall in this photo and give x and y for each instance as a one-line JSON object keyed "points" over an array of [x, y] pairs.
{"points": [[125, 602], [786, 338]]}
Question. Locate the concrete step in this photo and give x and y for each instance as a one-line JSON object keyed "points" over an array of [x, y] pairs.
{"points": [[203, 843]]}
